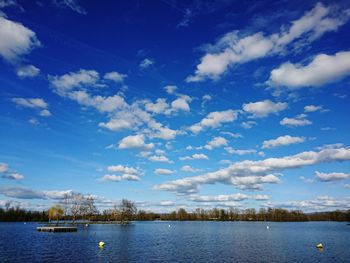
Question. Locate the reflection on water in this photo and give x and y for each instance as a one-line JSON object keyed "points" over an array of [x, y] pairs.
{"points": [[182, 242]]}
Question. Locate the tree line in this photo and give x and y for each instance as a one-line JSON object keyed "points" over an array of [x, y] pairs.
{"points": [[82, 209]]}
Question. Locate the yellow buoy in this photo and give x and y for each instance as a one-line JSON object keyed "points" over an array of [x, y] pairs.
{"points": [[101, 244], [319, 245]]}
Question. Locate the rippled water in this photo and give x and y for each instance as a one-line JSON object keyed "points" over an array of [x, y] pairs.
{"points": [[181, 242]]}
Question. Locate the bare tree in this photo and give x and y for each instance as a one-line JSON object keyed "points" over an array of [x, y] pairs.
{"points": [[127, 210]]}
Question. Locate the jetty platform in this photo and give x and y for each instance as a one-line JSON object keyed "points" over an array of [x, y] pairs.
{"points": [[57, 229]]}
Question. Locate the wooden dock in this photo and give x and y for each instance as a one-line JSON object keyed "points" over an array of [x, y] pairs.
{"points": [[57, 229]]}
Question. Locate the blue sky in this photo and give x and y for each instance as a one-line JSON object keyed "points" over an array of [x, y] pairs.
{"points": [[175, 103]]}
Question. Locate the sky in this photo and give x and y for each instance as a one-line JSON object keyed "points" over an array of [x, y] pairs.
{"points": [[175, 103]]}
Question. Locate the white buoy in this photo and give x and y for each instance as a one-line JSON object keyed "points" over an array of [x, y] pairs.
{"points": [[168, 225], [267, 227]]}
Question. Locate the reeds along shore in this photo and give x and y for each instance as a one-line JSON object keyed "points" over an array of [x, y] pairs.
{"points": [[270, 214]]}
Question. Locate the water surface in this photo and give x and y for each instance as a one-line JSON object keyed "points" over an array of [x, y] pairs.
{"points": [[179, 242]]}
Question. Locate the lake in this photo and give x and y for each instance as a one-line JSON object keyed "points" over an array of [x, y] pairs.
{"points": [[179, 242]]}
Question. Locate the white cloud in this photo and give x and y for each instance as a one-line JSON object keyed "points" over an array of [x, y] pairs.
{"points": [[118, 178], [34, 103], [313, 108], [240, 152], [299, 120], [135, 141], [231, 49], [16, 40], [167, 203], [216, 142], [67, 82], [320, 203], [214, 119], [196, 156], [115, 76], [77, 85], [328, 177], [226, 198], [264, 108], [30, 103], [170, 89], [232, 134], [218, 198], [122, 173], [253, 174], [12, 176], [282, 141], [190, 169], [34, 121], [161, 171], [123, 169], [248, 124], [146, 63], [180, 104], [3, 167], [159, 107], [159, 158], [321, 70], [27, 71]]}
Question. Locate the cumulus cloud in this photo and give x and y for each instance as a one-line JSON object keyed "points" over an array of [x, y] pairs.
{"points": [[16, 40], [34, 103], [232, 134], [313, 108], [214, 120], [118, 178], [299, 120], [28, 71], [216, 142], [12, 176], [80, 86], [166, 203], [232, 49], [162, 171], [264, 108], [320, 203], [7, 173], [248, 124], [240, 152], [190, 169], [135, 141], [121, 173], [159, 158], [146, 63], [123, 169], [328, 177], [170, 89], [115, 76], [282, 141], [323, 69], [196, 156], [226, 198], [161, 106], [82, 78], [3, 167], [254, 174]]}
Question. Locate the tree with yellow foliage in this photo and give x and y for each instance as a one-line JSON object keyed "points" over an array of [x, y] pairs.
{"points": [[55, 212]]}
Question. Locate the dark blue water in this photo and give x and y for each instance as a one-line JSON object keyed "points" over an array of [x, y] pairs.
{"points": [[181, 242]]}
